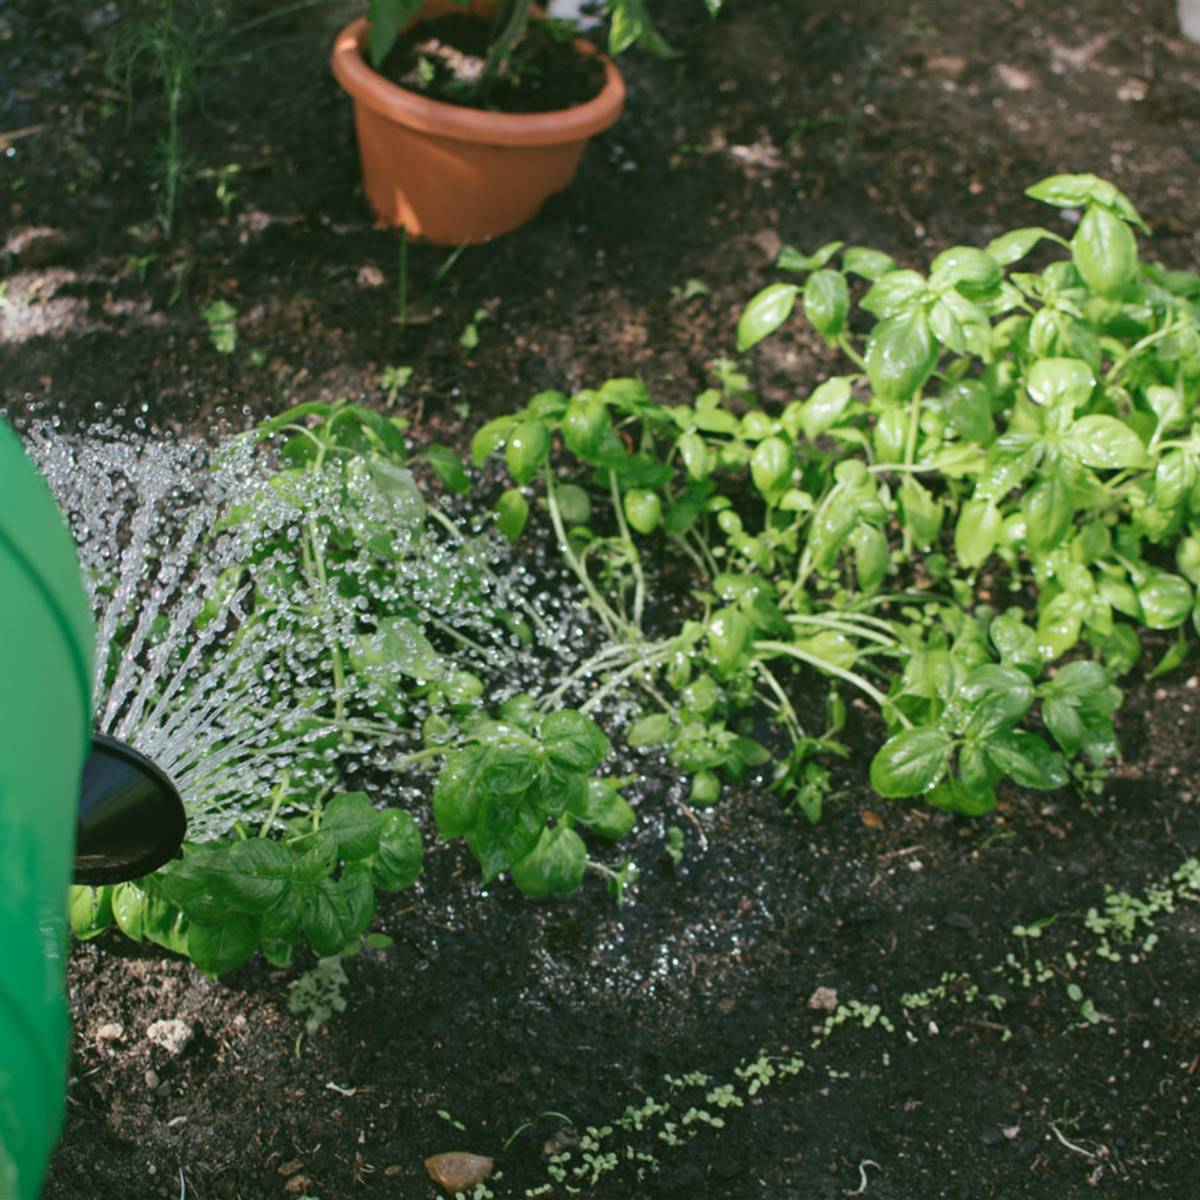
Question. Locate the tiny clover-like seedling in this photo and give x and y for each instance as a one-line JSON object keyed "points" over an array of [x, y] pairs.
{"points": [[520, 786]]}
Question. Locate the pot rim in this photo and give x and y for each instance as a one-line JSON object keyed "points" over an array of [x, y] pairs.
{"points": [[398, 104]]}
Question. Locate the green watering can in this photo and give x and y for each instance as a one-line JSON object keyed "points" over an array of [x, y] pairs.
{"points": [[69, 808]]}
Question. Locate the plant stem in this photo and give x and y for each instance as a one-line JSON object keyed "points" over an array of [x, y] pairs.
{"points": [[615, 626], [402, 283], [850, 677], [276, 800], [635, 561]]}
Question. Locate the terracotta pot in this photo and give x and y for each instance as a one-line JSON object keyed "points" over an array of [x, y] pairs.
{"points": [[453, 174]]}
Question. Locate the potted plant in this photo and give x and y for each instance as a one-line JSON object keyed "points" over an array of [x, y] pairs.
{"points": [[453, 173]]}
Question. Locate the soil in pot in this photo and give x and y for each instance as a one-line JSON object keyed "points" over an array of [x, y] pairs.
{"points": [[445, 60]]}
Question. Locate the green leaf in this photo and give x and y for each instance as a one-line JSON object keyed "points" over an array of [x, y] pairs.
{"points": [[972, 271], [358, 898], [993, 697], [911, 762], [1059, 624], [1104, 250], [1066, 381], [555, 866], [90, 911], [790, 259], [1102, 441], [356, 824], [694, 453], [922, 513], [317, 858], [327, 918], [825, 406], [826, 302], [1076, 191], [1027, 759], [508, 829], [489, 438], [449, 467], [1048, 507], [977, 532], [397, 646], [765, 313], [607, 813], [512, 511], [901, 355], [867, 263], [216, 949], [251, 875], [528, 445], [895, 294], [1165, 600], [129, 909], [574, 741], [952, 795], [1010, 247], [397, 863], [574, 504], [657, 729]]}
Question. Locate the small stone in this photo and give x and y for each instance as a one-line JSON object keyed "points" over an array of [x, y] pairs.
{"points": [[458, 1171], [151, 1077], [824, 999], [36, 246], [110, 1031], [769, 242], [173, 1035], [947, 64], [1015, 79]]}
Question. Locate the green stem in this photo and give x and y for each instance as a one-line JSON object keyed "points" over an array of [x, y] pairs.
{"points": [[446, 523], [276, 800], [612, 623], [790, 717], [614, 681], [841, 625], [847, 348], [851, 677], [635, 561], [1149, 340]]}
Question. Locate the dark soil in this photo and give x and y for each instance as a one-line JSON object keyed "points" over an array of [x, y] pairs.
{"points": [[906, 126], [446, 60]]}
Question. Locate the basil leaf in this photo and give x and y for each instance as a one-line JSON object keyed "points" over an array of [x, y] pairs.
{"points": [[1101, 441], [512, 511], [353, 820], [555, 866], [216, 949], [765, 313], [574, 741], [826, 302], [397, 863], [251, 875], [791, 259], [1027, 760], [911, 762]]}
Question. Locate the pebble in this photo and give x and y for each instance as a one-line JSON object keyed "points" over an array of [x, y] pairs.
{"points": [[824, 999], [151, 1077], [457, 1171], [173, 1035], [110, 1031]]}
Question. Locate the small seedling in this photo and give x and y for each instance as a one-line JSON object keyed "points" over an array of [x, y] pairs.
{"points": [[317, 995], [393, 380], [222, 330], [674, 846]]}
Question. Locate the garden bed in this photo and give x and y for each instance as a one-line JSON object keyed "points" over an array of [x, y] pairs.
{"points": [[957, 1058]]}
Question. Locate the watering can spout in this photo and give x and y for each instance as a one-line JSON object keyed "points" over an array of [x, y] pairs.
{"points": [[130, 816]]}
